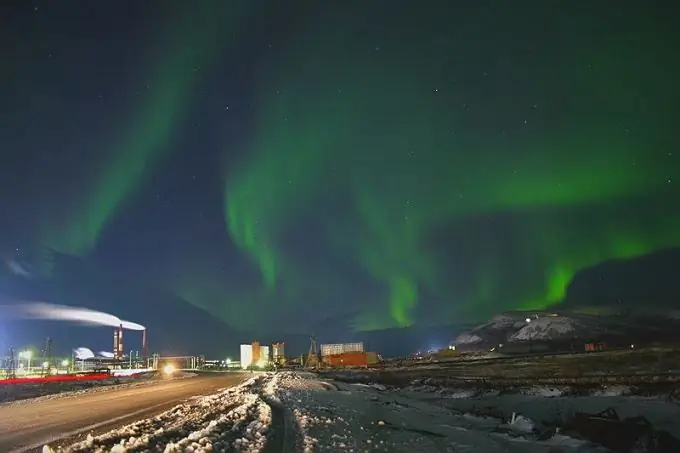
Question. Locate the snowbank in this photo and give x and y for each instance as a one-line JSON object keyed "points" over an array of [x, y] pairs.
{"points": [[236, 418]]}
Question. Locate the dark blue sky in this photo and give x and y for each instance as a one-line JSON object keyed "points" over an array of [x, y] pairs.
{"points": [[274, 169]]}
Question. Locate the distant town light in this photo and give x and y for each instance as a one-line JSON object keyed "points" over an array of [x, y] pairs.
{"points": [[64, 362], [46, 364], [528, 320]]}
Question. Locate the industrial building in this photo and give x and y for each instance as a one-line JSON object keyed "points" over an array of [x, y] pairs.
{"points": [[255, 355], [330, 355], [347, 355], [341, 348], [279, 354]]}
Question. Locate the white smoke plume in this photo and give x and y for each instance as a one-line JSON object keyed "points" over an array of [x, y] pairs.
{"points": [[47, 311]]}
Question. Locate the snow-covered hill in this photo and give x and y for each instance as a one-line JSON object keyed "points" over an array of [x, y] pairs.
{"points": [[517, 327], [495, 331], [547, 328]]}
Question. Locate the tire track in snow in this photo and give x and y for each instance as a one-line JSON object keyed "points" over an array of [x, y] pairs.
{"points": [[285, 435]]}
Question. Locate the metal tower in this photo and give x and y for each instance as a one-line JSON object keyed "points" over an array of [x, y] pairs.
{"points": [[47, 354], [11, 370], [313, 355]]}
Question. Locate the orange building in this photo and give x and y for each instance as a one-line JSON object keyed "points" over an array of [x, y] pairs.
{"points": [[347, 359]]}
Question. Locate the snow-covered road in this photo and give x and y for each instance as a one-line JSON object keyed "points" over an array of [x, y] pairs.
{"points": [[295, 412]]}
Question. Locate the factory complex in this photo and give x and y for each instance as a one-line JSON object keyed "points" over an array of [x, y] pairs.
{"points": [[31, 363], [335, 355]]}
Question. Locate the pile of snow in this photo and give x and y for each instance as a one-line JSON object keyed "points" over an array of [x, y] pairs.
{"points": [[545, 328], [234, 419]]}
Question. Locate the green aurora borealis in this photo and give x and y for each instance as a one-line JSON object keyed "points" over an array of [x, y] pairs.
{"points": [[460, 171], [340, 116], [192, 41]]}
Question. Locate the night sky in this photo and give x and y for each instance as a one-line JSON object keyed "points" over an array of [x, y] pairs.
{"points": [[277, 164]]}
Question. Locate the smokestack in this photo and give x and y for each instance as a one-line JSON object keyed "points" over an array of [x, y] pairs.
{"points": [[116, 340], [145, 347], [121, 352]]}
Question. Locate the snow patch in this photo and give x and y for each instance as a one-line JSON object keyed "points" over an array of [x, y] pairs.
{"points": [[613, 390], [466, 393], [545, 392], [519, 423]]}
